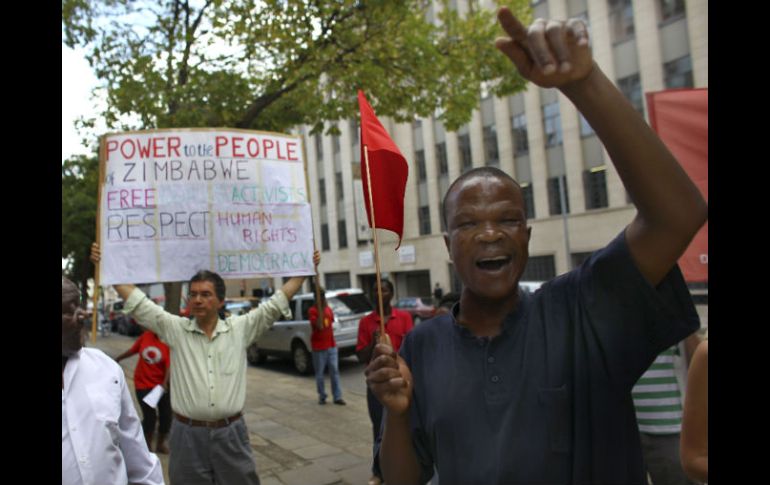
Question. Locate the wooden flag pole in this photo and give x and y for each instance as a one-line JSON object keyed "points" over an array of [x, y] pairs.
{"points": [[102, 161], [312, 225], [376, 245]]}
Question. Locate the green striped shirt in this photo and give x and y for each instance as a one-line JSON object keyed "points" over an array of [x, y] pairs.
{"points": [[657, 397]]}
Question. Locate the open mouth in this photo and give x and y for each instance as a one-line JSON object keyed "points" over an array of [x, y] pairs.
{"points": [[493, 264]]}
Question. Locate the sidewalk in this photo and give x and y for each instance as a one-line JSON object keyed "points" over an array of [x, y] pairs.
{"points": [[295, 440]]}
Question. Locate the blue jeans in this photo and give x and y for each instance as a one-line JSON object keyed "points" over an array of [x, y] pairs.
{"points": [[322, 358]]}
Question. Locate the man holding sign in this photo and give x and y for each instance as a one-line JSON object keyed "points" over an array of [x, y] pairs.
{"points": [[209, 440]]}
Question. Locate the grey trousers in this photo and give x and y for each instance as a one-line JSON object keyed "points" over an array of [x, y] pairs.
{"points": [[207, 456], [661, 458]]}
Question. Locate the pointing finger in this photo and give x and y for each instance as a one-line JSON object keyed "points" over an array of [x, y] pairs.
{"points": [[511, 25]]}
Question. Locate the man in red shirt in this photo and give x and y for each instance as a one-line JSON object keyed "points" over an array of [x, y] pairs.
{"points": [[152, 369], [324, 349], [397, 324]]}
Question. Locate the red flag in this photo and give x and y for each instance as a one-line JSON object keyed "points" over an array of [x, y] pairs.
{"points": [[681, 119], [387, 170]]}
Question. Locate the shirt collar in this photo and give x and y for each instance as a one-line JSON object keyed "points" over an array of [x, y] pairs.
{"points": [[191, 325], [509, 322]]}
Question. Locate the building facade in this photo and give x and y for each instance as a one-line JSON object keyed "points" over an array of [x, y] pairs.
{"points": [[576, 202]]}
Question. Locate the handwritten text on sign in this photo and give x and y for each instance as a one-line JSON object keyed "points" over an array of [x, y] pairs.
{"points": [[175, 202]]}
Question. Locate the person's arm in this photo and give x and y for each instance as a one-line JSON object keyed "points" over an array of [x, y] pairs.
{"points": [[127, 353], [266, 314], [146, 313], [690, 344], [670, 209], [390, 380], [292, 286], [142, 467], [693, 445]]}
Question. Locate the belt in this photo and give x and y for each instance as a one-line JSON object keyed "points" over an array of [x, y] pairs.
{"points": [[208, 424]]}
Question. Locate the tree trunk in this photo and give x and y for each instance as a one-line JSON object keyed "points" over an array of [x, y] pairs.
{"points": [[173, 292]]}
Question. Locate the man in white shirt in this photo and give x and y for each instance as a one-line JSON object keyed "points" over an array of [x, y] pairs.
{"points": [[101, 434]]}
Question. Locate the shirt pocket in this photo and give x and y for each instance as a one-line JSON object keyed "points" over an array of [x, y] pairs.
{"points": [[228, 361], [555, 403], [105, 404]]}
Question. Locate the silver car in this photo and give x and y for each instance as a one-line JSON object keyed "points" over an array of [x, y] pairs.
{"points": [[291, 338]]}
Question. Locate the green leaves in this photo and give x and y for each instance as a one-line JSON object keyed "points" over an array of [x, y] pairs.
{"points": [[79, 183], [274, 64]]}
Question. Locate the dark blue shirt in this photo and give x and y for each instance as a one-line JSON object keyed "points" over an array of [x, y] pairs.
{"points": [[548, 400]]}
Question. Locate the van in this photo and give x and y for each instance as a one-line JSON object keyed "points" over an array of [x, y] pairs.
{"points": [[290, 338]]}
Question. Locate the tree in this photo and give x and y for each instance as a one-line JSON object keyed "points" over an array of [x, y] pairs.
{"points": [[79, 182], [273, 65], [276, 64]]}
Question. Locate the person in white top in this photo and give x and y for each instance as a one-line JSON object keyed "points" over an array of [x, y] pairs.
{"points": [[101, 434]]}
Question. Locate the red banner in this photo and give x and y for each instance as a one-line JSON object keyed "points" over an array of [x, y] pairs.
{"points": [[680, 117]]}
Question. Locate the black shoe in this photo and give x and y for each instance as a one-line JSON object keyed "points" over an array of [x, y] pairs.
{"points": [[321, 401], [340, 401]]}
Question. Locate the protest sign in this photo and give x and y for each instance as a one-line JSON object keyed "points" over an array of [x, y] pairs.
{"points": [[173, 202]]}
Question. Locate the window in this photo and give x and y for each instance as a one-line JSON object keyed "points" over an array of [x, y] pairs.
{"points": [[354, 132], [539, 268], [424, 216], [631, 87], [580, 258], [419, 157], [552, 124], [441, 159], [325, 237], [336, 143], [319, 146], [322, 190], [595, 187], [621, 16], [554, 195], [464, 145], [519, 128], [338, 185], [342, 234], [336, 281], [529, 199], [670, 9], [678, 73], [491, 154]]}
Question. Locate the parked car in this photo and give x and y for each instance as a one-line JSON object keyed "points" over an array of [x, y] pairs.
{"points": [[120, 322], [291, 338], [239, 306], [420, 307]]}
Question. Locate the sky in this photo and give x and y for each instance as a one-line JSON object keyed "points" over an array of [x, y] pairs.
{"points": [[77, 80]]}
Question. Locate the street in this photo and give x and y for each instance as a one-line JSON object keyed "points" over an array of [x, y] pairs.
{"points": [[295, 440]]}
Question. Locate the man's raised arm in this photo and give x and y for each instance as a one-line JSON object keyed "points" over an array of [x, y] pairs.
{"points": [[555, 54], [292, 286]]}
